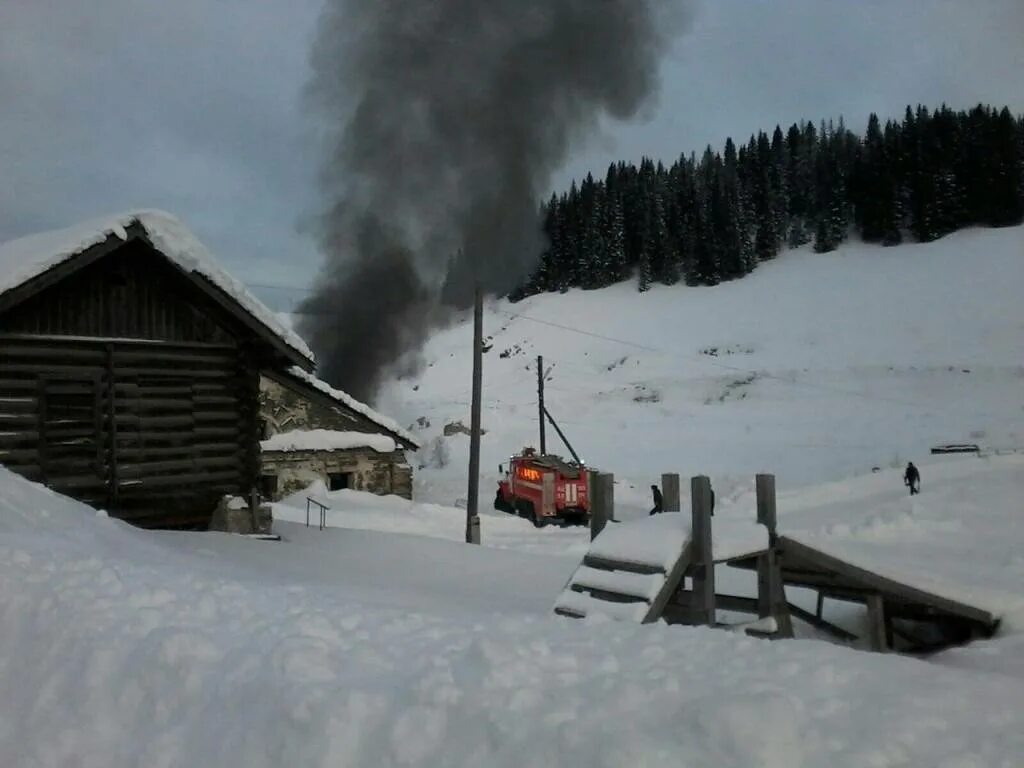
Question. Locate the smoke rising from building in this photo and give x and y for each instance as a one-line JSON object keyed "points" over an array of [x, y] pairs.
{"points": [[444, 121]]}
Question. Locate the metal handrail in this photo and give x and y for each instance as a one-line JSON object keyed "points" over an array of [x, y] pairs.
{"points": [[323, 511]]}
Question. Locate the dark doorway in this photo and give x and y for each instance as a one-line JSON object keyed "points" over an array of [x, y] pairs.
{"points": [[339, 481], [268, 487]]}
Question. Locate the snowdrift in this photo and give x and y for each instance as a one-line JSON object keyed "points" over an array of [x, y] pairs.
{"points": [[125, 648]]}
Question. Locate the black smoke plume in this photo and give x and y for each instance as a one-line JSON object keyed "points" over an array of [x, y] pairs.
{"points": [[445, 120]]}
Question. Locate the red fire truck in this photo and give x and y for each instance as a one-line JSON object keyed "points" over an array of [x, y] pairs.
{"points": [[544, 489]]}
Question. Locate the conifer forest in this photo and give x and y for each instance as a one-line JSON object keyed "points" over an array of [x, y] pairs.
{"points": [[713, 218]]}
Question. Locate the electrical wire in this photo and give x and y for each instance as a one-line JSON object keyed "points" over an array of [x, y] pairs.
{"points": [[704, 359]]}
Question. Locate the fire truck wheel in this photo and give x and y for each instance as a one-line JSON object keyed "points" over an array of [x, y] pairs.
{"points": [[500, 504]]}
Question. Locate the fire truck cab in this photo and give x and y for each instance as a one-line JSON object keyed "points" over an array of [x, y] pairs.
{"points": [[544, 489]]}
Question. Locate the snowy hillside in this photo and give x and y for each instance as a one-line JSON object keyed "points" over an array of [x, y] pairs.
{"points": [[815, 367]]}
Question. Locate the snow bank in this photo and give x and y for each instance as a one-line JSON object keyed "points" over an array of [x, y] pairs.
{"points": [[327, 440], [26, 258], [126, 648], [658, 540], [655, 541], [643, 585]]}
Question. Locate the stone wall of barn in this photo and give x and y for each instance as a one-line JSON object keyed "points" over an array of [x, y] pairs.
{"points": [[360, 469], [283, 410]]}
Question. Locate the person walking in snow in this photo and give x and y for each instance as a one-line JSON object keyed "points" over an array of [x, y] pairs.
{"points": [[912, 478], [659, 503]]}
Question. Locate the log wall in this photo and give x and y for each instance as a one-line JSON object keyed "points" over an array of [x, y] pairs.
{"points": [[152, 432]]}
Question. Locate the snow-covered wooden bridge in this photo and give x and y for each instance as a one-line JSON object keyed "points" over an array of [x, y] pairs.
{"points": [[662, 567]]}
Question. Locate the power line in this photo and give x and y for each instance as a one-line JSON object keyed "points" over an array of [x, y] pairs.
{"points": [[791, 381], [579, 331]]}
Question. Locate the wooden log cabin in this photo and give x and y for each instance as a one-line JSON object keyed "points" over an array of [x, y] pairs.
{"points": [[130, 369]]}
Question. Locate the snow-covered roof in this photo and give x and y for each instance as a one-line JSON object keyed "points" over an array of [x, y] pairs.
{"points": [[350, 402], [327, 440], [28, 257]]}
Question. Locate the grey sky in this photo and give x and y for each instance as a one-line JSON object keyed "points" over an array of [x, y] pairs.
{"points": [[195, 106]]}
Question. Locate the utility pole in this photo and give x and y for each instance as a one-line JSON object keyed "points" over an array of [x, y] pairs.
{"points": [[540, 404], [472, 518]]}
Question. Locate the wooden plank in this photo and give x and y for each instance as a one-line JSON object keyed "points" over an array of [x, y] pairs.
{"points": [[146, 468], [16, 420], [29, 472], [673, 580], [10, 406], [151, 422], [771, 589], [223, 400], [197, 478], [128, 355], [134, 389], [212, 387], [26, 385], [211, 432], [602, 501], [860, 578], [819, 623], [47, 351], [209, 416], [702, 554], [10, 456], [100, 342], [111, 430], [134, 453], [50, 369], [610, 597], [619, 565], [18, 438], [733, 603], [876, 623], [670, 492], [176, 372], [74, 483], [765, 573], [179, 437], [143, 402], [766, 513], [69, 433]]}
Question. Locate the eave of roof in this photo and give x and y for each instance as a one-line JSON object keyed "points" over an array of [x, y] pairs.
{"points": [[27, 259]]}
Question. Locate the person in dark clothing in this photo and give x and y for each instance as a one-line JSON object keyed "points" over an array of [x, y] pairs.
{"points": [[659, 503], [912, 478]]}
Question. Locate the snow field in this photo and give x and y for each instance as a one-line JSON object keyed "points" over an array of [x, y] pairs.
{"points": [[815, 367], [127, 648]]}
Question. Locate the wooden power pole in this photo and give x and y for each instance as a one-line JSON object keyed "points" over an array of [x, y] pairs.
{"points": [[472, 516], [540, 404]]}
